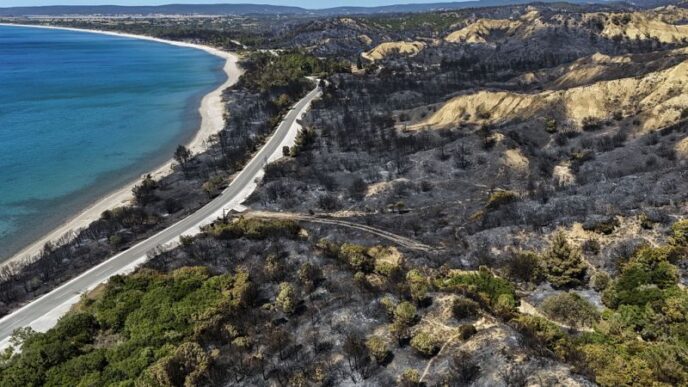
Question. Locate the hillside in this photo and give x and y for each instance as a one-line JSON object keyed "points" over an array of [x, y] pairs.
{"points": [[491, 196], [651, 101]]}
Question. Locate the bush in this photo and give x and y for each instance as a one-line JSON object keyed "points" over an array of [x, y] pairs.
{"points": [[604, 226], [144, 193], [570, 309], [357, 257], [644, 279], [591, 246], [418, 285], [525, 266], [309, 275], [679, 233], [487, 287], [500, 198], [409, 378], [591, 124], [329, 202], [599, 281], [467, 331], [389, 304], [404, 318], [463, 307], [358, 189], [541, 334], [405, 313], [286, 298], [425, 343], [254, 228], [378, 348], [463, 368]]}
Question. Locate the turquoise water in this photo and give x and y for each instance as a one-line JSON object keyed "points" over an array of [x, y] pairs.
{"points": [[81, 114]]}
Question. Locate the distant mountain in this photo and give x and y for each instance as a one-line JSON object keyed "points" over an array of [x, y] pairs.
{"points": [[170, 9], [264, 9]]}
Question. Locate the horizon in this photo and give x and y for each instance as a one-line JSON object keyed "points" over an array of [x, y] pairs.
{"points": [[308, 4]]}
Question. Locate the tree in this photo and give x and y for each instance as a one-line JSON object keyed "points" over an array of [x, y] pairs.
{"points": [[144, 193], [565, 266], [358, 188], [182, 156], [356, 353]]}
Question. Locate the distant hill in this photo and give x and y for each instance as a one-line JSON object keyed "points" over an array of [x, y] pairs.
{"points": [[263, 9]]}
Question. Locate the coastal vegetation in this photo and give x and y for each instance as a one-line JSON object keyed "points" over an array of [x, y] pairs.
{"points": [[195, 325]]}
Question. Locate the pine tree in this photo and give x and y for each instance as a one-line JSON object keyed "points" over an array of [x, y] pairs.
{"points": [[565, 266]]}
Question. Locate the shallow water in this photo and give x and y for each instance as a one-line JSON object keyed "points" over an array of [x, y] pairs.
{"points": [[81, 114]]}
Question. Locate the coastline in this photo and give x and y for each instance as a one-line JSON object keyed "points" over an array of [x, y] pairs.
{"points": [[212, 121]]}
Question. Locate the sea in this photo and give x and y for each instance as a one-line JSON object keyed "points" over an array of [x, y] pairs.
{"points": [[82, 114]]}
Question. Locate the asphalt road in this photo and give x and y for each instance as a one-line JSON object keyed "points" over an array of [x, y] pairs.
{"points": [[57, 301]]}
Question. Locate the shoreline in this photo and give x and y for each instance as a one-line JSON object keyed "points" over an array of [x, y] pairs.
{"points": [[212, 121]]}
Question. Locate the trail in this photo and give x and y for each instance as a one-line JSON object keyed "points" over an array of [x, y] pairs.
{"points": [[398, 239]]}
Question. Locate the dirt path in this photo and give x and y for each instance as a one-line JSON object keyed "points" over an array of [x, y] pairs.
{"points": [[398, 239]]}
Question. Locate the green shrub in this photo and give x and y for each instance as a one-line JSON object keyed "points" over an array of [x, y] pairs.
{"points": [[378, 348], [679, 233], [570, 309], [487, 286], [409, 378], [390, 305], [418, 284], [309, 275], [254, 228], [644, 278], [425, 343], [405, 313], [154, 318], [404, 317], [357, 257]]}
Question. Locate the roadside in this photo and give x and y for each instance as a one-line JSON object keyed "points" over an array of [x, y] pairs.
{"points": [[42, 313]]}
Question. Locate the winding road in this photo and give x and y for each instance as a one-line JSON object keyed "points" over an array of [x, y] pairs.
{"points": [[42, 313]]}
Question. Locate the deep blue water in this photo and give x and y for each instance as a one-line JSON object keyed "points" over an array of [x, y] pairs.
{"points": [[81, 114]]}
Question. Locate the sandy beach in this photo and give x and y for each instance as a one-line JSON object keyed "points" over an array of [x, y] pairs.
{"points": [[212, 121]]}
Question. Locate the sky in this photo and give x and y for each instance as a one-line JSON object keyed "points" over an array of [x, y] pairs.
{"points": [[314, 4]]}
